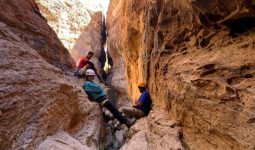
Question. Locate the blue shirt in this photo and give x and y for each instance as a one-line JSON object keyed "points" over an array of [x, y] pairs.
{"points": [[93, 89], [146, 100]]}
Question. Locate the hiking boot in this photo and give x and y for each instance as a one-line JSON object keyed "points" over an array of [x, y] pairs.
{"points": [[130, 122]]}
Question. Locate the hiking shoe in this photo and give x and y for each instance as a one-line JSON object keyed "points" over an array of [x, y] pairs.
{"points": [[130, 122]]}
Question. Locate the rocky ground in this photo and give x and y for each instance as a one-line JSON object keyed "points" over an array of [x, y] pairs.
{"points": [[155, 131], [196, 56]]}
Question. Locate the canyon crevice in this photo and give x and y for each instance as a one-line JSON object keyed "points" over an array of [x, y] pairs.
{"points": [[196, 56], [198, 60]]}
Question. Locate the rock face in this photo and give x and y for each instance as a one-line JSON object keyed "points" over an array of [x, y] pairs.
{"points": [[36, 98], [197, 57], [61, 141], [156, 131], [25, 20], [91, 39], [78, 24]]}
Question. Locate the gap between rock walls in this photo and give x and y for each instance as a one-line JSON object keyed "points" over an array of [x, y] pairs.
{"points": [[196, 57]]}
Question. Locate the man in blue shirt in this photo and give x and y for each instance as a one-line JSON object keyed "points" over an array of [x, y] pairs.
{"points": [[97, 94], [142, 106]]}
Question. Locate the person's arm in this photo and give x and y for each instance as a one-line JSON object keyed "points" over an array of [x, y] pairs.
{"points": [[138, 105], [99, 77], [85, 67], [140, 101], [96, 72]]}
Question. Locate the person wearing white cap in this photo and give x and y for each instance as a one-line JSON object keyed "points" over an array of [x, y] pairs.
{"points": [[97, 94]]}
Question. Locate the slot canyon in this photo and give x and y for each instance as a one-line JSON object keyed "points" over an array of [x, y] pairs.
{"points": [[197, 58]]}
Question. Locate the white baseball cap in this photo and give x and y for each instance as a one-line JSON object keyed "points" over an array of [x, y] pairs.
{"points": [[90, 72]]}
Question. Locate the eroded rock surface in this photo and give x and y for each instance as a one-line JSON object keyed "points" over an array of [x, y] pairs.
{"points": [[61, 141], [37, 99], [91, 39], [156, 131], [198, 60], [26, 21], [78, 24]]}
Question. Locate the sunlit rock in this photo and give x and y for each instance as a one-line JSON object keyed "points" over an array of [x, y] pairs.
{"points": [[78, 24], [37, 99], [197, 57]]}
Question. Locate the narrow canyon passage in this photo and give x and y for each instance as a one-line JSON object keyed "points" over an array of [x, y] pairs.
{"points": [[196, 57]]}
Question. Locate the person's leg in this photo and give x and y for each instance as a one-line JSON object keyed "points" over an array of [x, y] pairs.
{"points": [[132, 112], [128, 111], [139, 113], [115, 112], [82, 71]]}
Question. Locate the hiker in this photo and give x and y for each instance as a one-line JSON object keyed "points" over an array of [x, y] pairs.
{"points": [[97, 94], [142, 106], [85, 64]]}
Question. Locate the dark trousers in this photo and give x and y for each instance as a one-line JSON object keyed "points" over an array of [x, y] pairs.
{"points": [[115, 112]]}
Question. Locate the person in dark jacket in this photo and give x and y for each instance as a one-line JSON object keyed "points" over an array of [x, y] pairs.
{"points": [[142, 106], [97, 94]]}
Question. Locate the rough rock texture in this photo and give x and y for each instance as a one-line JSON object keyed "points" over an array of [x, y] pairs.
{"points": [[91, 39], [197, 57], [119, 38], [25, 20], [78, 24], [61, 141], [36, 98], [156, 131]]}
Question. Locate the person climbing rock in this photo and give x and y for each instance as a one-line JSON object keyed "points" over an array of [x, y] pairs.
{"points": [[85, 64], [97, 94], [142, 106]]}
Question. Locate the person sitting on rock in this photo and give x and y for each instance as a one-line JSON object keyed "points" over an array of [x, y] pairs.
{"points": [[85, 64], [142, 106], [97, 94]]}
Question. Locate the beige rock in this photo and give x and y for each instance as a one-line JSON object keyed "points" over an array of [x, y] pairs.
{"points": [[70, 18], [138, 142], [120, 33], [78, 25], [36, 98], [26, 22], [197, 61], [61, 141], [90, 39], [154, 132]]}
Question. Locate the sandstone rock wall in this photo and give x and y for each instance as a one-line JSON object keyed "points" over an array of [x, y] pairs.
{"points": [[156, 131], [91, 39], [67, 18], [25, 20], [118, 32], [36, 98], [197, 58], [78, 24]]}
